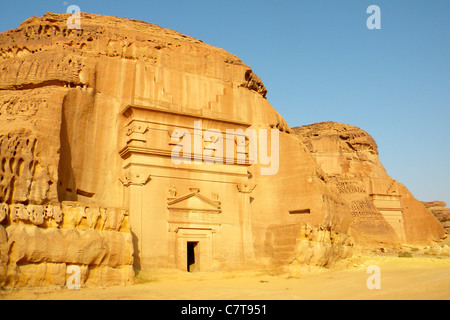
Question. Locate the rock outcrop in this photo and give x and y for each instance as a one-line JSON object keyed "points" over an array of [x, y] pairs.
{"points": [[383, 209], [441, 212], [38, 243], [89, 121]]}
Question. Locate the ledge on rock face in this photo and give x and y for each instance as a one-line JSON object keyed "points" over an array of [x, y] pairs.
{"points": [[434, 204], [355, 138], [342, 150]]}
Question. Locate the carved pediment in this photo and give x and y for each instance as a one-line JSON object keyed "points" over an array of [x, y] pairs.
{"points": [[194, 201]]}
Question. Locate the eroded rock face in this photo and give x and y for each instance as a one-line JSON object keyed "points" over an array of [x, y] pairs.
{"points": [[441, 212], [382, 209], [87, 122], [62, 177], [39, 242], [72, 85]]}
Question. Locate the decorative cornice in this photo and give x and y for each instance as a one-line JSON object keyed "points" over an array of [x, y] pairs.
{"points": [[129, 150], [128, 112]]}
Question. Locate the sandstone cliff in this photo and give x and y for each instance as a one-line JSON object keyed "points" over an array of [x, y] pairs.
{"points": [[86, 119], [382, 208]]}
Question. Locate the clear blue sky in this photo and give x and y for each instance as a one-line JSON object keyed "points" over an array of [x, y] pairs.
{"points": [[320, 62]]}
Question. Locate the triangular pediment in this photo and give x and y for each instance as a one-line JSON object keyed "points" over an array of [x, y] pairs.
{"points": [[193, 202]]}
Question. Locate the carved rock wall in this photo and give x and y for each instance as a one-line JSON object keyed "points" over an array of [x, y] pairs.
{"points": [[29, 145], [112, 63], [383, 210], [109, 64], [64, 96]]}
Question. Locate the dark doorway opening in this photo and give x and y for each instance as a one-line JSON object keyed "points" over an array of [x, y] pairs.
{"points": [[191, 249]]}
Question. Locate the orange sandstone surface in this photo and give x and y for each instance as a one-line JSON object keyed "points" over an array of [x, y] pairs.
{"points": [[88, 119]]}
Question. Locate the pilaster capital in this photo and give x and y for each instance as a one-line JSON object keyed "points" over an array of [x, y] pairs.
{"points": [[135, 179], [246, 187]]}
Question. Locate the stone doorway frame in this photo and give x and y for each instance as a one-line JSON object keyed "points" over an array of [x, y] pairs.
{"points": [[203, 250]]}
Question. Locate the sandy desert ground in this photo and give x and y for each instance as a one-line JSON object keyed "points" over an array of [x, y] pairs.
{"points": [[401, 278]]}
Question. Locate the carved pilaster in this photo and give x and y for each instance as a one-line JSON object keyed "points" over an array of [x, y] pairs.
{"points": [[246, 222], [136, 132]]}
